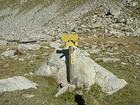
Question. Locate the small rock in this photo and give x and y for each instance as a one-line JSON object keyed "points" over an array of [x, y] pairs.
{"points": [[89, 36], [127, 46], [112, 54], [137, 31], [28, 95], [123, 63], [9, 53], [134, 4], [107, 60], [94, 46], [46, 47], [94, 51], [31, 73], [26, 74], [122, 44], [15, 58], [55, 45], [116, 32], [137, 64], [29, 47], [116, 12], [97, 25], [31, 61], [86, 48], [83, 26], [3, 43], [87, 44], [45, 54], [66, 88], [135, 77], [23, 2], [116, 48], [28, 56], [111, 42], [21, 59]]}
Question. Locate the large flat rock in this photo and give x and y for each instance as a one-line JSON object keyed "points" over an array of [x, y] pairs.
{"points": [[16, 83]]}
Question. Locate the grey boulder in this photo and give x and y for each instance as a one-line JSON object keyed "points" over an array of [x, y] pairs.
{"points": [[16, 83], [86, 72]]}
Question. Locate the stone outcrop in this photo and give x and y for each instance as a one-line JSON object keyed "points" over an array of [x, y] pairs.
{"points": [[86, 72]]}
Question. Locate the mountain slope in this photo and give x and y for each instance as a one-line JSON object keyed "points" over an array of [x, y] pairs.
{"points": [[35, 19]]}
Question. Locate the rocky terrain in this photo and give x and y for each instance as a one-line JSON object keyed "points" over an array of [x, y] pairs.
{"points": [[107, 62], [117, 55], [35, 19]]}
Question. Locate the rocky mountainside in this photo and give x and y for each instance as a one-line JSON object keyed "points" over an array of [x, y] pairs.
{"points": [[35, 19]]}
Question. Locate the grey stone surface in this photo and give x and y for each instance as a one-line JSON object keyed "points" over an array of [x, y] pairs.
{"points": [[86, 72], [29, 47], [55, 45], [16, 83], [94, 51], [107, 60], [3, 43], [28, 95], [9, 53]]}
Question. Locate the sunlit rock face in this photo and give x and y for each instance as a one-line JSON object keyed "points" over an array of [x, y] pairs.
{"points": [[86, 72]]}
